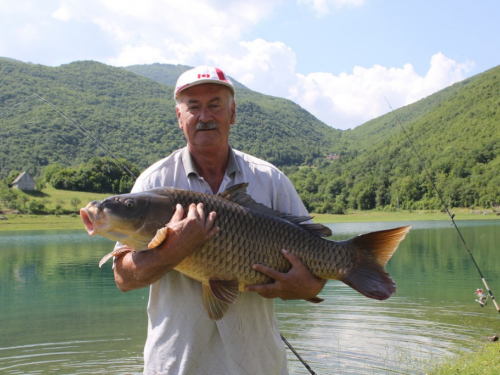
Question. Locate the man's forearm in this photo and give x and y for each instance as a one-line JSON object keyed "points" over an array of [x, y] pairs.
{"points": [[137, 270]]}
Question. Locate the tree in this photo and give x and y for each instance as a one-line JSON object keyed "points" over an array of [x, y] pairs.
{"points": [[75, 202]]}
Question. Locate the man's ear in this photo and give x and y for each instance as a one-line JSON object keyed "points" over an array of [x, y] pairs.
{"points": [[233, 113], [178, 113]]}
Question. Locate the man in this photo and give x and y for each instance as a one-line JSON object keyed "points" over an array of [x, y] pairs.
{"points": [[181, 337]]}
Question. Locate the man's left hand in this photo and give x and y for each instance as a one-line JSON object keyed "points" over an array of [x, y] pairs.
{"points": [[297, 283]]}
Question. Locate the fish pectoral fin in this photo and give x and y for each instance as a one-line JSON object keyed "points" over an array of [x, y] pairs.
{"points": [[114, 253], [161, 235], [214, 307]]}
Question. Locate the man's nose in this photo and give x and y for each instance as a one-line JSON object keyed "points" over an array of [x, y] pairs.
{"points": [[205, 114]]}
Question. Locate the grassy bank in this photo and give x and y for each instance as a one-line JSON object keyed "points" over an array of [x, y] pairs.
{"points": [[67, 219], [73, 221], [68, 203], [370, 216], [486, 360], [40, 222]]}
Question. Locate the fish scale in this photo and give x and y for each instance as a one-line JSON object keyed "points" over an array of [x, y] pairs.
{"points": [[249, 233]]}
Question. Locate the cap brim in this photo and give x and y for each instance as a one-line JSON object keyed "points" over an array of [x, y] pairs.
{"points": [[203, 81]]}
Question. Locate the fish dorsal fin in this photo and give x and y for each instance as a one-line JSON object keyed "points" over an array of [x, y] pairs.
{"points": [[317, 229], [217, 296], [238, 194]]}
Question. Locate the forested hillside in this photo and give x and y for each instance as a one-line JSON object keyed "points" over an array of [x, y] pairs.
{"points": [[131, 111], [457, 133], [131, 115]]}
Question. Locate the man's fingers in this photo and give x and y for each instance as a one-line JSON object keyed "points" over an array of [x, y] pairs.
{"points": [[211, 217], [294, 260], [200, 211], [209, 225], [265, 290], [272, 273], [179, 212], [192, 211], [276, 275]]}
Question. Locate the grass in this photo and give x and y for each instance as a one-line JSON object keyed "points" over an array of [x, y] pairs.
{"points": [[64, 197], [40, 222], [71, 220], [486, 360], [371, 216]]}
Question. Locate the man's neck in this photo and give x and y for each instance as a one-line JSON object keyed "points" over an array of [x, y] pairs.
{"points": [[211, 165]]}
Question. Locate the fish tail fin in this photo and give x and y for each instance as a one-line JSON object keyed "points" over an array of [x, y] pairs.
{"points": [[372, 252]]}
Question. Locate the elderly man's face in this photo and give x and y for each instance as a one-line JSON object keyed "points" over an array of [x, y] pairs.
{"points": [[205, 113]]}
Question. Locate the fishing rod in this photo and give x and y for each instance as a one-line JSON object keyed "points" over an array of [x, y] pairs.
{"points": [[452, 216], [91, 136], [297, 355]]}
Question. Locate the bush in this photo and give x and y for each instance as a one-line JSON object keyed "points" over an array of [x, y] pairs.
{"points": [[36, 206]]}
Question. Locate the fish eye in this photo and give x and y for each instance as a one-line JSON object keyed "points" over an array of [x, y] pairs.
{"points": [[129, 203]]}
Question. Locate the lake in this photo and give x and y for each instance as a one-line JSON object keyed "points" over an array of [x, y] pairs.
{"points": [[61, 314]]}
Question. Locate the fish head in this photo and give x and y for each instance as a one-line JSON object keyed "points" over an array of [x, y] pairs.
{"points": [[132, 219]]}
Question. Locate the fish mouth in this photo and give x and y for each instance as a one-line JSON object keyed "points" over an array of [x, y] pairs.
{"points": [[87, 221]]}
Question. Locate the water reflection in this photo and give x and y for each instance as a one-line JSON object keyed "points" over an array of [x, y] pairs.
{"points": [[60, 313], [432, 315]]}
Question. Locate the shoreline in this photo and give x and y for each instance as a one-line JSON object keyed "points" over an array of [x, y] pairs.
{"points": [[53, 222]]}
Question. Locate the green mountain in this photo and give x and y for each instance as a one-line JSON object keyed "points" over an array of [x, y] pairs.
{"points": [[131, 111], [42, 109], [457, 134]]}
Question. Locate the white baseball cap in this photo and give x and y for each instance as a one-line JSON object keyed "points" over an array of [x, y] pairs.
{"points": [[199, 75]]}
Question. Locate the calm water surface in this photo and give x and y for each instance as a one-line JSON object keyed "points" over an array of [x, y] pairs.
{"points": [[61, 314]]}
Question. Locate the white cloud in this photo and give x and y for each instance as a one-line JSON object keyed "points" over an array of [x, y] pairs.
{"points": [[443, 72], [185, 32], [323, 7], [213, 32], [348, 100], [268, 67]]}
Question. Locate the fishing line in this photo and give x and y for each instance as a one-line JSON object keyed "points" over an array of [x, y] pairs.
{"points": [[452, 216], [78, 126], [91, 136], [15, 105]]}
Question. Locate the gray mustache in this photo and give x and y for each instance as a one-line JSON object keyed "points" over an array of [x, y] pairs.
{"points": [[207, 125]]}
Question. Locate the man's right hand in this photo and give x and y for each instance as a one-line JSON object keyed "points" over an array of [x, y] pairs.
{"points": [[184, 235]]}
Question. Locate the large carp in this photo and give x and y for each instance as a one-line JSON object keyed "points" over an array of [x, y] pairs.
{"points": [[250, 233]]}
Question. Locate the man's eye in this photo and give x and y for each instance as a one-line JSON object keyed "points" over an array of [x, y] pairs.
{"points": [[129, 203]]}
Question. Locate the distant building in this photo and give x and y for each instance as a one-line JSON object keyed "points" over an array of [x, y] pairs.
{"points": [[333, 157], [24, 182]]}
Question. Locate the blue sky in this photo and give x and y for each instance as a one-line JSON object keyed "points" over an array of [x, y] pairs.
{"points": [[339, 59]]}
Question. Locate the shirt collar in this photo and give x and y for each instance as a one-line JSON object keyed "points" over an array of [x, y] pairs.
{"points": [[187, 161]]}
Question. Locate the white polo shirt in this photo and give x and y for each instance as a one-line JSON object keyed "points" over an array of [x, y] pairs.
{"points": [[181, 338]]}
